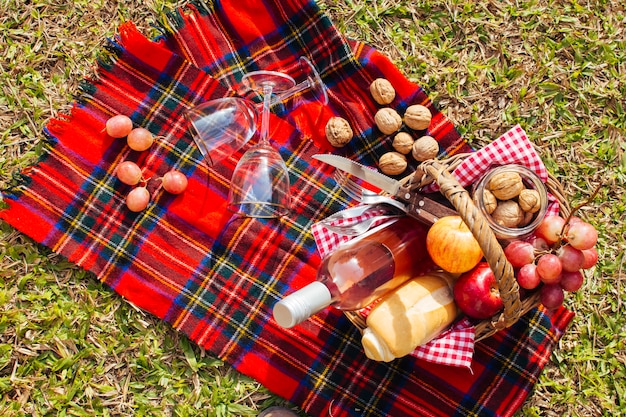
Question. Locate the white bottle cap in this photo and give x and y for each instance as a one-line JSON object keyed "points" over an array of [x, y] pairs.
{"points": [[302, 304], [375, 348]]}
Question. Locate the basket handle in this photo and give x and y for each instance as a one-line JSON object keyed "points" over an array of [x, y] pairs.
{"points": [[492, 250]]}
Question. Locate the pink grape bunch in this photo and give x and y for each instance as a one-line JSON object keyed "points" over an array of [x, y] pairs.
{"points": [[554, 257], [129, 173]]}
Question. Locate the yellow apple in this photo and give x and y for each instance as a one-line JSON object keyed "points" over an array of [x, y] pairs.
{"points": [[452, 246]]}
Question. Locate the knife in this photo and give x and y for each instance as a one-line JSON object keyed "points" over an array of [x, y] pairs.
{"points": [[419, 206]]}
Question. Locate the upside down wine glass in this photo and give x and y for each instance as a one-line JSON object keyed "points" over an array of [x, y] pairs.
{"points": [[260, 183], [222, 126]]}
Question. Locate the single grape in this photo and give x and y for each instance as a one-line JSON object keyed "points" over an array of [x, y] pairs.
{"points": [[138, 199], [571, 258], [128, 172], [538, 243], [527, 277], [119, 126], [572, 281], [519, 253], [549, 268], [140, 139], [582, 235], [174, 182], [550, 229], [591, 257], [551, 296]]}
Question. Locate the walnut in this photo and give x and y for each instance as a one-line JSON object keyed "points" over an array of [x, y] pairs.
{"points": [[388, 120], [403, 142], [382, 91], [508, 214], [425, 148], [489, 200], [338, 131], [417, 117], [529, 200], [528, 218], [392, 163], [506, 185]]}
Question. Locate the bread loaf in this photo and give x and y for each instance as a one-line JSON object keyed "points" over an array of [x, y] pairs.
{"points": [[409, 317]]}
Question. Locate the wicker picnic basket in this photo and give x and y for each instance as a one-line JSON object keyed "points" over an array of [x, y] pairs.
{"points": [[439, 172]]}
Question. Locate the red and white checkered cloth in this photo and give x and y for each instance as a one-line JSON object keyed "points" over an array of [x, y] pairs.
{"points": [[455, 347], [513, 147]]}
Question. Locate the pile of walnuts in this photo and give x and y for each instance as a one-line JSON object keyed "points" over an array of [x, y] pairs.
{"points": [[416, 118]]}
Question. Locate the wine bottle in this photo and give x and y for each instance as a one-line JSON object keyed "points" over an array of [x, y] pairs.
{"points": [[361, 271]]}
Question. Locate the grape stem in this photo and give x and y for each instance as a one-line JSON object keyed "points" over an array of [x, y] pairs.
{"points": [[578, 207]]}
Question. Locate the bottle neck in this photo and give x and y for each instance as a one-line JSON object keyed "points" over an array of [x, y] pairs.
{"points": [[302, 304]]}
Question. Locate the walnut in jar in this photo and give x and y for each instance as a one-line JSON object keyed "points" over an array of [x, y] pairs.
{"points": [[508, 214], [490, 201], [425, 148], [338, 131], [403, 143], [382, 91], [388, 120], [506, 185], [528, 218], [392, 163], [529, 200], [417, 117]]}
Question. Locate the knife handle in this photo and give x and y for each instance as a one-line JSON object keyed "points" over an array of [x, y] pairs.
{"points": [[425, 209]]}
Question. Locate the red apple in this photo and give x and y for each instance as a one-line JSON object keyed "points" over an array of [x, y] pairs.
{"points": [[476, 292], [452, 246]]}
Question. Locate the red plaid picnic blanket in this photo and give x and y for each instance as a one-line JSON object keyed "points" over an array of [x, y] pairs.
{"points": [[215, 277]]}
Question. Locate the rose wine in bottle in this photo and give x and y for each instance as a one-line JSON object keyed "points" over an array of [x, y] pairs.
{"points": [[361, 271]]}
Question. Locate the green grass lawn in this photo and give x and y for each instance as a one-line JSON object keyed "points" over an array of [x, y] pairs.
{"points": [[69, 346]]}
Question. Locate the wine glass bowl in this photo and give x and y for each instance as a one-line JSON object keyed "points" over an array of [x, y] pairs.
{"points": [[220, 127], [260, 185]]}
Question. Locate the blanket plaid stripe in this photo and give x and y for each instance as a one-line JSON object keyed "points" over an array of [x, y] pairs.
{"points": [[216, 277]]}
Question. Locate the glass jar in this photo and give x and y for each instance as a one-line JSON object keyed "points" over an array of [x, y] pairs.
{"points": [[531, 181]]}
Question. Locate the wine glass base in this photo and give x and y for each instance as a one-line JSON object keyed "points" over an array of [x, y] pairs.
{"points": [[316, 85], [257, 80]]}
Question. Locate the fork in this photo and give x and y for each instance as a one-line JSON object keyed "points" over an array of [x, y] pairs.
{"points": [[363, 195], [343, 222]]}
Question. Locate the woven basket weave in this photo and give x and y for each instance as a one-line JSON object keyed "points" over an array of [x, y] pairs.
{"points": [[439, 172]]}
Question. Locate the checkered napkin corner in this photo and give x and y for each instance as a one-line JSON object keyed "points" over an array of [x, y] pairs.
{"points": [[513, 147]]}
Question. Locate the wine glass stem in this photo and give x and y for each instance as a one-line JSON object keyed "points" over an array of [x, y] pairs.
{"points": [[265, 115], [304, 85]]}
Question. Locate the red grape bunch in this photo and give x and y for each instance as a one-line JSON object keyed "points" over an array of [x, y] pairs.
{"points": [[554, 257], [128, 172]]}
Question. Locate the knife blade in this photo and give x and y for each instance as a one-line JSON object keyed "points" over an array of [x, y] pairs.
{"points": [[419, 205]]}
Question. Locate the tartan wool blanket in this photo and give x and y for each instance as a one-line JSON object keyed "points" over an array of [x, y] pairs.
{"points": [[215, 277]]}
